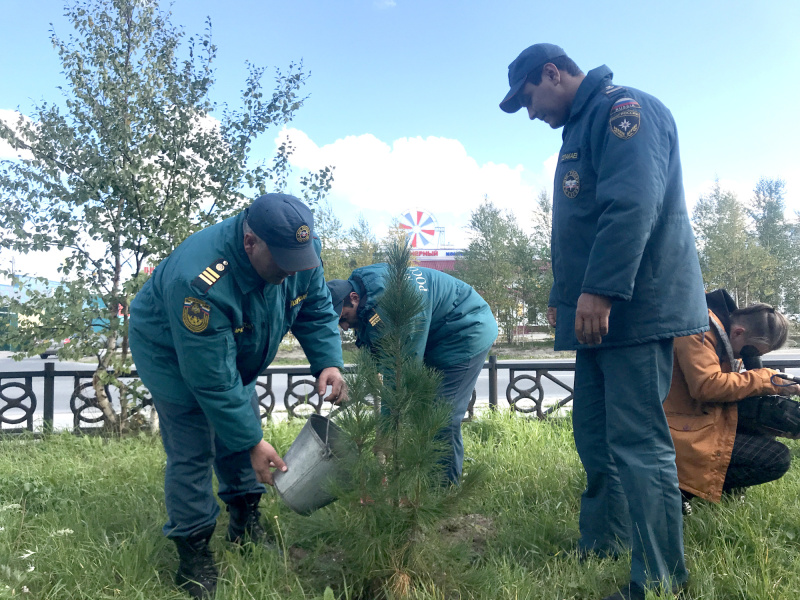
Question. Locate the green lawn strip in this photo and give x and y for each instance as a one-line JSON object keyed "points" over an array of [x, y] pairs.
{"points": [[81, 517]]}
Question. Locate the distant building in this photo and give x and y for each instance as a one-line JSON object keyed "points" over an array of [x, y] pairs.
{"points": [[441, 259]]}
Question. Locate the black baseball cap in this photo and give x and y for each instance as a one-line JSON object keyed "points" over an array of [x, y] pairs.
{"points": [[287, 227], [339, 289], [529, 60]]}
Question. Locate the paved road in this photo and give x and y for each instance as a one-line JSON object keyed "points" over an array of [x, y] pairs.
{"points": [[64, 385]]}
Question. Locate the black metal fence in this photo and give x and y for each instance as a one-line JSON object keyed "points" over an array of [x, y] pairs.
{"points": [[29, 399]]}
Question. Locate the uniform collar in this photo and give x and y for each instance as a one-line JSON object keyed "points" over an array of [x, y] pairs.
{"points": [[246, 276], [595, 80]]}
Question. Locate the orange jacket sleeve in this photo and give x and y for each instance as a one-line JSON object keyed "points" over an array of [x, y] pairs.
{"points": [[706, 379]]}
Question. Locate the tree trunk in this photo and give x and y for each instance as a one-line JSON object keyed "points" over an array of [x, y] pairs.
{"points": [[103, 403]]}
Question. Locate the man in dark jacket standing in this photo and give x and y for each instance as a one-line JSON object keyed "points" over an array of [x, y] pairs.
{"points": [[202, 329], [626, 282], [457, 330]]}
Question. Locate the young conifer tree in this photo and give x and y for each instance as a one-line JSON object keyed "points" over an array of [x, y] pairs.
{"points": [[397, 495]]}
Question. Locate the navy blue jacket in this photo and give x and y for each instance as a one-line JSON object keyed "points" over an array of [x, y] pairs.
{"points": [[620, 224], [205, 325], [456, 324]]}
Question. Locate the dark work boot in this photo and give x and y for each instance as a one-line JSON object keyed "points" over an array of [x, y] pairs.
{"points": [[245, 522], [197, 573]]}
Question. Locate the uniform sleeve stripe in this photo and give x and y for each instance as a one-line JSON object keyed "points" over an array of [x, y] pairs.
{"points": [[208, 280]]}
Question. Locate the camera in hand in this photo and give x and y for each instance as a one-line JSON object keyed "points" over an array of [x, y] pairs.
{"points": [[772, 414]]}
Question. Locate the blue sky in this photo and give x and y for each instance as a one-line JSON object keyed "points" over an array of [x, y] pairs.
{"points": [[404, 93]]}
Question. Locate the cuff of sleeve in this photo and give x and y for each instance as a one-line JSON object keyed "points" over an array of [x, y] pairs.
{"points": [[607, 293]]}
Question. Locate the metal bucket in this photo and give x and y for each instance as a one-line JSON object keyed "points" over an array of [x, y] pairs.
{"points": [[313, 461]]}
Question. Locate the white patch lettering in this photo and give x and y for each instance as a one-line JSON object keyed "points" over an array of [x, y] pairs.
{"points": [[419, 278]]}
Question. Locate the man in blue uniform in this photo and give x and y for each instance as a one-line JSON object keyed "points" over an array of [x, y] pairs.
{"points": [[457, 331], [202, 328], [626, 282]]}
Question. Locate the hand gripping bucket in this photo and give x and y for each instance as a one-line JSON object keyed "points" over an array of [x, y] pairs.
{"points": [[313, 460]]}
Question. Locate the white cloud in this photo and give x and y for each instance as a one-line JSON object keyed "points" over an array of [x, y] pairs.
{"points": [[10, 117], [433, 173], [384, 4]]}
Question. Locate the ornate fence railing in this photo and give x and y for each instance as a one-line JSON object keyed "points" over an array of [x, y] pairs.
{"points": [[64, 399]]}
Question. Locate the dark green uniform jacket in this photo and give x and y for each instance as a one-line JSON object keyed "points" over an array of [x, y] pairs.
{"points": [[457, 323], [620, 224], [205, 325]]}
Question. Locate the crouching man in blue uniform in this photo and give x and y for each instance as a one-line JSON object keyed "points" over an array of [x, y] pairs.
{"points": [[202, 328], [626, 282], [457, 331]]}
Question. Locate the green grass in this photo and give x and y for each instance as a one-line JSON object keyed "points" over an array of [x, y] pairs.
{"points": [[81, 517]]}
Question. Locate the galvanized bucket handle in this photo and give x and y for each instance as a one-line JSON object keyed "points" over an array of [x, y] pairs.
{"points": [[328, 452]]}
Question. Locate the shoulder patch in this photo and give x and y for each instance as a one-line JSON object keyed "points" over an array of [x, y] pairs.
{"points": [[374, 319], [211, 275], [625, 118], [195, 314], [612, 89]]}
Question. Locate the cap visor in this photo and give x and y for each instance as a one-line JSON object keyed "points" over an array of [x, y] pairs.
{"points": [[295, 259], [511, 103]]}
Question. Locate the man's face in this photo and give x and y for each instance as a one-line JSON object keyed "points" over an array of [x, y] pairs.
{"points": [[544, 102], [348, 318], [263, 262]]}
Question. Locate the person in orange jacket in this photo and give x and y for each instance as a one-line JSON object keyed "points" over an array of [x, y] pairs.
{"points": [[717, 451]]}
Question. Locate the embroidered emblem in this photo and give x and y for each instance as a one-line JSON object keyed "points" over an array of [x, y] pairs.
{"points": [[303, 234], [568, 156], [195, 314], [571, 184], [625, 118], [297, 300], [374, 319], [210, 275]]}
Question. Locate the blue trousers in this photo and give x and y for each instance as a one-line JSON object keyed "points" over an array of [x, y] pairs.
{"points": [[192, 451], [458, 381], [622, 437]]}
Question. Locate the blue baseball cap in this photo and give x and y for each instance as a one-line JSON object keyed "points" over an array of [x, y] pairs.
{"points": [[339, 289], [529, 60], [287, 227]]}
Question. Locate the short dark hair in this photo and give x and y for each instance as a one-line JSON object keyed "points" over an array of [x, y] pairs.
{"points": [[562, 63], [347, 303], [763, 323]]}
